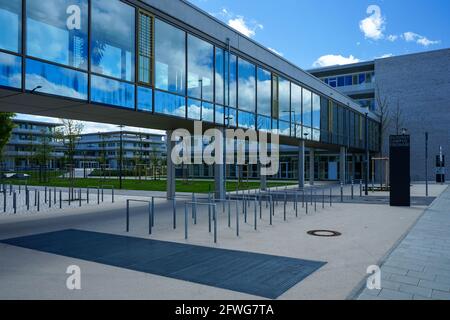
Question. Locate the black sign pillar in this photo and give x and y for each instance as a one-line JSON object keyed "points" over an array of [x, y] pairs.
{"points": [[400, 166]]}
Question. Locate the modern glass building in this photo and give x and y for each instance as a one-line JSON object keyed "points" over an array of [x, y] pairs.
{"points": [[162, 64]]}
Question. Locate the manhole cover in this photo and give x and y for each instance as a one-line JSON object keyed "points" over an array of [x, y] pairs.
{"points": [[324, 233]]}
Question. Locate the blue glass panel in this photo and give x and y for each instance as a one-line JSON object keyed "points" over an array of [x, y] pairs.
{"points": [[231, 117], [264, 123], [220, 76], [284, 88], [325, 80], [10, 71], [233, 82], [307, 108], [56, 80], [10, 25], [333, 83], [341, 81], [220, 115], [275, 126], [246, 86], [246, 120], [113, 39], [58, 31], [113, 92], [208, 112], [349, 80], [264, 86], [194, 109], [362, 78], [170, 104], [170, 58], [316, 135], [285, 128], [145, 99], [200, 69]]}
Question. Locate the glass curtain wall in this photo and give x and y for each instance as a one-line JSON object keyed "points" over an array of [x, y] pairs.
{"points": [[307, 114], [264, 99], [246, 94], [11, 25], [296, 110], [284, 92]]}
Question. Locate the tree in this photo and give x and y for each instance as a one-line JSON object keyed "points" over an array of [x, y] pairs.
{"points": [[43, 151], [384, 113], [6, 127], [398, 118]]}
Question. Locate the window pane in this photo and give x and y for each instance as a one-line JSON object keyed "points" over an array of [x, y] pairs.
{"points": [[233, 81], [231, 117], [264, 123], [296, 101], [284, 98], [194, 109], [145, 99], [200, 69], [10, 25], [264, 92], [112, 92], [145, 47], [220, 115], [56, 80], [246, 120], [284, 128], [55, 35], [10, 71], [275, 99], [316, 111], [170, 58], [208, 112], [246, 86], [220, 76], [170, 104], [307, 107], [113, 39], [324, 118]]}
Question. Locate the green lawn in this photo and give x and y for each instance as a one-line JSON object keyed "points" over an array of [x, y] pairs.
{"points": [[149, 185]]}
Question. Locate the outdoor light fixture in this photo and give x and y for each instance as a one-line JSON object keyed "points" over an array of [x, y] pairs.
{"points": [[404, 131], [36, 88]]}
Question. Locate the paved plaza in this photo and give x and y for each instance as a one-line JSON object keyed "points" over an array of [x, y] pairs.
{"points": [[369, 231]]}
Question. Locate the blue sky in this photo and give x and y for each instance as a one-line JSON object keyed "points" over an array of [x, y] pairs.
{"points": [[326, 32]]}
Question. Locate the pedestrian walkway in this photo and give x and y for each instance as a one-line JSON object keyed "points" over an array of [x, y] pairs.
{"points": [[419, 268]]}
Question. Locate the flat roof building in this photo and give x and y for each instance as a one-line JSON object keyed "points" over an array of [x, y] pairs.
{"points": [[163, 65], [416, 88]]}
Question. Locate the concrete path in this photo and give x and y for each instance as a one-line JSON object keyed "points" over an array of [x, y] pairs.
{"points": [[419, 267]]}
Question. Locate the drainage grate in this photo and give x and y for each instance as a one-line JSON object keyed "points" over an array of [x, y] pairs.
{"points": [[324, 233]]}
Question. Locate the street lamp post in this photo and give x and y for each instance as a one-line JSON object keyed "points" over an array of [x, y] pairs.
{"points": [[366, 182]]}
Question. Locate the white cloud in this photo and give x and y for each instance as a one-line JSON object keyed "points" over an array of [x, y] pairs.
{"points": [[333, 60], [374, 25], [275, 51], [239, 23], [419, 39], [387, 55], [89, 127], [392, 38]]}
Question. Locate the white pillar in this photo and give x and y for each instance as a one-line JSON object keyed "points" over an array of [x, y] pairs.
{"points": [[170, 168], [301, 164], [343, 165], [311, 166]]}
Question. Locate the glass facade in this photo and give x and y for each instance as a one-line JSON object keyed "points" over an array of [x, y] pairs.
{"points": [[11, 25], [57, 31], [200, 69], [170, 58], [113, 39], [246, 86], [56, 80], [137, 61], [10, 71]]}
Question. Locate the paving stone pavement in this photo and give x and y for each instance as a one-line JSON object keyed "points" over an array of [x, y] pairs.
{"points": [[419, 267]]}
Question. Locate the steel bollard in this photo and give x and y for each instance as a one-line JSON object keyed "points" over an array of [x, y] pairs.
{"points": [[229, 214], [60, 199], [342, 192], [271, 209], [128, 217], [285, 202], [353, 186], [38, 201], [185, 221], [315, 201], [87, 195], [307, 207], [50, 199], [174, 210], [79, 193], [331, 197], [237, 220], [15, 202], [150, 218], [360, 188], [153, 211], [215, 223], [323, 198], [256, 215]]}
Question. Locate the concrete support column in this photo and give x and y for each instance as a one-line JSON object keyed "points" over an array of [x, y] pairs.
{"points": [[301, 164], [343, 165], [170, 168], [219, 173], [311, 166], [262, 178]]}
